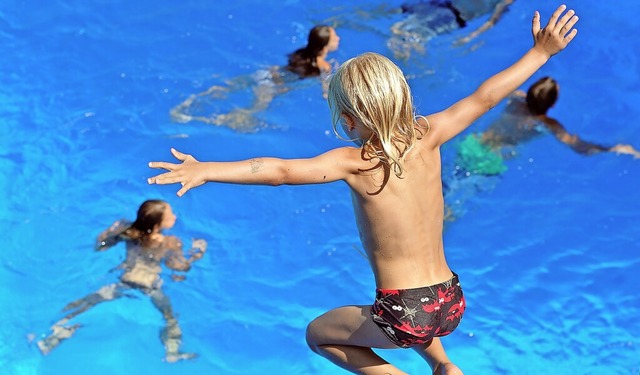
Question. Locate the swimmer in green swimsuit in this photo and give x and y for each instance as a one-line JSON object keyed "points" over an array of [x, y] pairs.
{"points": [[524, 119]]}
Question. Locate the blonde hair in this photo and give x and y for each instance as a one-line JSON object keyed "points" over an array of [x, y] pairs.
{"points": [[373, 90]]}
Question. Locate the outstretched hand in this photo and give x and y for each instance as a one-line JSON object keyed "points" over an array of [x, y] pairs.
{"points": [[626, 149], [558, 33], [188, 173]]}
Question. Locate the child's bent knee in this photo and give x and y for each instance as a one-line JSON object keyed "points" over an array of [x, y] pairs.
{"points": [[312, 337]]}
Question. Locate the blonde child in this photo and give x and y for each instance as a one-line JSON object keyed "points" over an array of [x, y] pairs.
{"points": [[396, 187]]}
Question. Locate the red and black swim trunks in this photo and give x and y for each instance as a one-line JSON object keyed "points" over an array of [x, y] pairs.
{"points": [[414, 316]]}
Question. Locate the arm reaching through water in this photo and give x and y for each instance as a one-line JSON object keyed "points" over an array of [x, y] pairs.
{"points": [[582, 146], [111, 236], [498, 12]]}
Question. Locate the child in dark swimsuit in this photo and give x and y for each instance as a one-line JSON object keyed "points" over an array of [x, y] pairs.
{"points": [[427, 19], [394, 175]]}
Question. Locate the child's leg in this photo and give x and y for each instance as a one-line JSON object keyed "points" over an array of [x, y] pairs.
{"points": [[346, 335], [437, 358], [106, 293], [170, 334], [60, 331]]}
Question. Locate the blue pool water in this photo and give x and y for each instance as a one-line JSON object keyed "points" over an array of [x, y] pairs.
{"points": [[548, 254]]}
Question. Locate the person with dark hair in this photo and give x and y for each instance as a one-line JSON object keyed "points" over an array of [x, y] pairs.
{"points": [[525, 117], [147, 248], [309, 61], [479, 158]]}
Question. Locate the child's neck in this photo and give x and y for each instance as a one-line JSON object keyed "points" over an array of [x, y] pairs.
{"points": [[321, 61]]}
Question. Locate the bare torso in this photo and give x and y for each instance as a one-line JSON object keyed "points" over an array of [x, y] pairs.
{"points": [[516, 125], [142, 266], [401, 224]]}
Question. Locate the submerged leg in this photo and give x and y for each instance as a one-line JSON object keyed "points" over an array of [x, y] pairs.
{"points": [[106, 293], [170, 334], [61, 332], [346, 335]]}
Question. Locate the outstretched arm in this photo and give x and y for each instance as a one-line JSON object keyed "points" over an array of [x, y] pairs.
{"points": [[555, 36], [584, 147], [111, 236], [331, 166], [498, 11]]}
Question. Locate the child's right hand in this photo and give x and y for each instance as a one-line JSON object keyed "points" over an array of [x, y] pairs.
{"points": [[200, 245], [558, 33], [188, 173]]}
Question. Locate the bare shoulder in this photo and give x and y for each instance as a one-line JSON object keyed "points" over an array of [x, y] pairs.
{"points": [[347, 158], [428, 127]]}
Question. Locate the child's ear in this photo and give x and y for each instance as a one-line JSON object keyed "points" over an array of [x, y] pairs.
{"points": [[349, 121]]}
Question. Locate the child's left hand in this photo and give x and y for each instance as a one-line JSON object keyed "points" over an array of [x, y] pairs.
{"points": [[558, 33]]}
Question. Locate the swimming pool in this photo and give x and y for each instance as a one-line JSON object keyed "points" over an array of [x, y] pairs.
{"points": [[547, 256]]}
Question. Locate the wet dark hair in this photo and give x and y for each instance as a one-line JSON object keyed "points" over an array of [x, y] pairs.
{"points": [[542, 95], [150, 214], [303, 61]]}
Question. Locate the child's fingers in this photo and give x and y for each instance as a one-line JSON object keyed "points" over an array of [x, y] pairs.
{"points": [[571, 35], [535, 23], [181, 156], [183, 190], [162, 165], [554, 17], [568, 26], [178, 155], [563, 21], [165, 178]]}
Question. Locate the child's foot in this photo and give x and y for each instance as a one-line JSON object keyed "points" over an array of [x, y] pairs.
{"points": [[59, 334], [175, 357], [180, 117], [447, 369]]}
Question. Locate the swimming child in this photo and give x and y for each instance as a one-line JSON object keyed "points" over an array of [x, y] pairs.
{"points": [[525, 117], [147, 247], [394, 174], [427, 19], [481, 156], [306, 62]]}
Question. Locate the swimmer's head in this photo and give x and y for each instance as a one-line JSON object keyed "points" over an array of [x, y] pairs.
{"points": [[304, 61], [153, 216], [372, 92], [542, 95], [320, 37]]}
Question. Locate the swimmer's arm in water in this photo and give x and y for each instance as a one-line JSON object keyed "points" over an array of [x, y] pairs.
{"points": [[111, 236], [555, 36], [581, 146], [334, 165], [175, 258], [498, 12]]}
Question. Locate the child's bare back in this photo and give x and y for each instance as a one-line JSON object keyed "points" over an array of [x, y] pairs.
{"points": [[400, 219]]}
